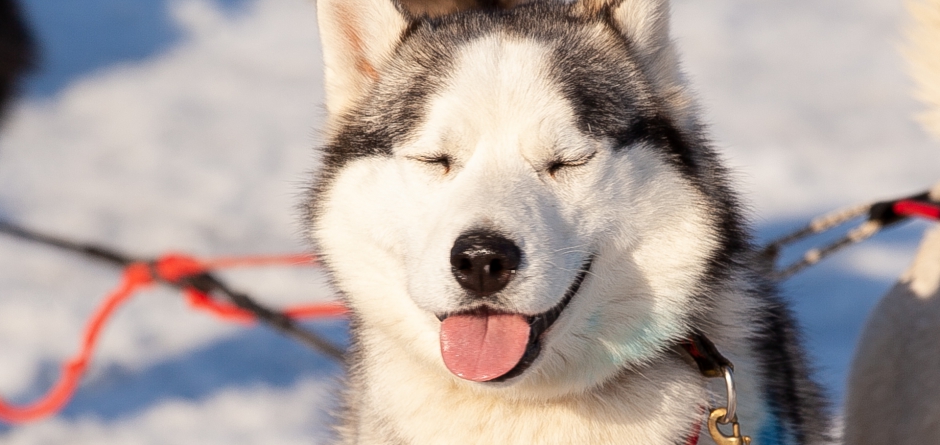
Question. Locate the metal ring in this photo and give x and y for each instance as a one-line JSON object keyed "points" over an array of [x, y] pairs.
{"points": [[732, 397]]}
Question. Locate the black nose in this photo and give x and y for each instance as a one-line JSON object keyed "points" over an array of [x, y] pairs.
{"points": [[484, 262]]}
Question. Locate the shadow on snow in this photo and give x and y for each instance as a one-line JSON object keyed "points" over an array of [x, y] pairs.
{"points": [[76, 38], [253, 357]]}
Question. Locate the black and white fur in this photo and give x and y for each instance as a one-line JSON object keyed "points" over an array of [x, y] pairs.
{"points": [[567, 128]]}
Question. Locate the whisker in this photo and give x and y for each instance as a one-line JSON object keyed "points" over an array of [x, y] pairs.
{"points": [[571, 248], [587, 272]]}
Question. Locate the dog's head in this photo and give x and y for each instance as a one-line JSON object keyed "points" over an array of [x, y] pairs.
{"points": [[518, 196]]}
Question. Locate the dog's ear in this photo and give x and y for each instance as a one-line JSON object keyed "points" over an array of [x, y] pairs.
{"points": [[357, 37], [645, 24]]}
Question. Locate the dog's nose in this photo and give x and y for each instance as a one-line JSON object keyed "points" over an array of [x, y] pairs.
{"points": [[484, 262]]}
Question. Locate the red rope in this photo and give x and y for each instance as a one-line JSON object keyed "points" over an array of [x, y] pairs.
{"points": [[917, 208], [137, 276]]}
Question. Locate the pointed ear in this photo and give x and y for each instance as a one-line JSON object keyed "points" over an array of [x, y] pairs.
{"points": [[645, 24], [357, 37]]}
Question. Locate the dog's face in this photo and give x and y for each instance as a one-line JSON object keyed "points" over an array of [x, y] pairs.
{"points": [[512, 197]]}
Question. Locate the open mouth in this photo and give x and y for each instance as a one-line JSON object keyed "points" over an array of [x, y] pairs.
{"points": [[486, 345]]}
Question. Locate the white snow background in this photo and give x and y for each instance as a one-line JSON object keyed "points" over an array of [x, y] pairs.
{"points": [[189, 125]]}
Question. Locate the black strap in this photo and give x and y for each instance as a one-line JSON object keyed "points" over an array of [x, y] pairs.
{"points": [[884, 213], [710, 362]]}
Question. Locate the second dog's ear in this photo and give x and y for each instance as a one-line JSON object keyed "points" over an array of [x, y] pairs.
{"points": [[357, 38]]}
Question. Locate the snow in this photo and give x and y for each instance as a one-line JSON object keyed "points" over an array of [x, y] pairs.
{"points": [[201, 147], [810, 99], [246, 415], [189, 124]]}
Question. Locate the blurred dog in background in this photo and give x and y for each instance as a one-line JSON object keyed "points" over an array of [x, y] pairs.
{"points": [[894, 387]]}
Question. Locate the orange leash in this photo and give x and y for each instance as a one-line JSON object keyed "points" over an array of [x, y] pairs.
{"points": [[137, 276]]}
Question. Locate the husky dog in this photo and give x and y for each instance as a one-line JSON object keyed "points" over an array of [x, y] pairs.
{"points": [[522, 211]]}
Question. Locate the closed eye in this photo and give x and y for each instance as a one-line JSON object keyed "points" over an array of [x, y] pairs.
{"points": [[558, 164], [440, 159]]}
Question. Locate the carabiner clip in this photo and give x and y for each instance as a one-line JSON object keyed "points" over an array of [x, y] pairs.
{"points": [[720, 438]]}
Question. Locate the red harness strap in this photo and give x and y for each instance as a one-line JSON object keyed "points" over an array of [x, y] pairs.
{"points": [[137, 276], [923, 209]]}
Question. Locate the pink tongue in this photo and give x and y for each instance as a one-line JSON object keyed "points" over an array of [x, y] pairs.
{"points": [[482, 347]]}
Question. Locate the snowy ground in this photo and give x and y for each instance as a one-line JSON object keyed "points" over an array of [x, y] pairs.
{"points": [[188, 125]]}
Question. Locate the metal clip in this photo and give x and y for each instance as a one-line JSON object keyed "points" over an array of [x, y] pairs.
{"points": [[720, 438], [727, 415], [732, 393]]}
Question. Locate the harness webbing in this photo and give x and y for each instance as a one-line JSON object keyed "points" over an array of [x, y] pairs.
{"points": [[879, 216]]}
